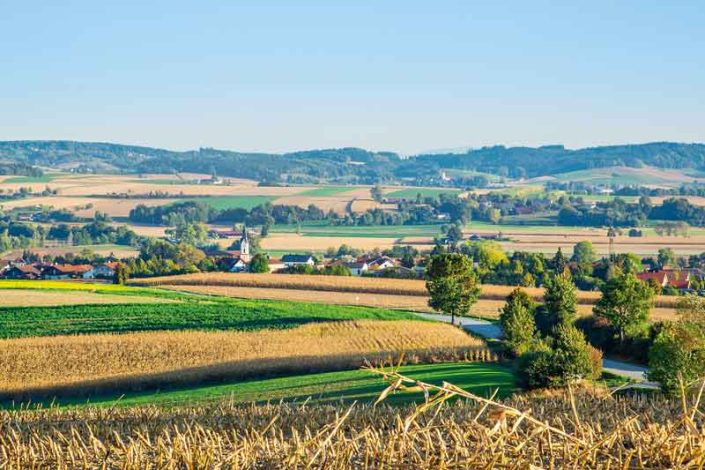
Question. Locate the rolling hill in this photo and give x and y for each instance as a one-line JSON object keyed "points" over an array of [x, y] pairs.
{"points": [[349, 165]]}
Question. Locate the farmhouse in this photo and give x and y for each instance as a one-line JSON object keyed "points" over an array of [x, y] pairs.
{"points": [[357, 268], [276, 264], [297, 260], [381, 263], [667, 277], [66, 271], [24, 271], [102, 271]]}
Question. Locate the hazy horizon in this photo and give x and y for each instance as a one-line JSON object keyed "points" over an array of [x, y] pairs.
{"points": [[408, 77]]}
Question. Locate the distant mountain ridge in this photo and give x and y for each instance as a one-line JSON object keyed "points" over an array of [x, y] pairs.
{"points": [[346, 165]]}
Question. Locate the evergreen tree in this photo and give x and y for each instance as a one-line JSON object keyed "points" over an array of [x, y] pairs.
{"points": [[560, 303], [559, 261], [517, 320]]}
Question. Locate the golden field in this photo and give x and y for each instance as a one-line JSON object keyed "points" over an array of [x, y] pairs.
{"points": [[588, 430], [45, 298], [369, 285], [47, 366]]}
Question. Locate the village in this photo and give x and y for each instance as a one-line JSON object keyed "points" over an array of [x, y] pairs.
{"points": [[669, 277]]}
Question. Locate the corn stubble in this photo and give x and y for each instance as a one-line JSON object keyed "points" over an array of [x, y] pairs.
{"points": [[587, 430]]}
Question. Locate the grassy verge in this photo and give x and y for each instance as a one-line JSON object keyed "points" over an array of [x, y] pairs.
{"points": [[232, 202], [345, 386]]}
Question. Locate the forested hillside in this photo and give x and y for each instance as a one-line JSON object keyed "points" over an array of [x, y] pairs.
{"points": [[346, 165], [555, 159]]}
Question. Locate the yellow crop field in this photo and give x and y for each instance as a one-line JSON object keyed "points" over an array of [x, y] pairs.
{"points": [[44, 298], [50, 365], [293, 281]]}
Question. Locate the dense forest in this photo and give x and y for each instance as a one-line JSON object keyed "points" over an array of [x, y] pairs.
{"points": [[346, 165]]}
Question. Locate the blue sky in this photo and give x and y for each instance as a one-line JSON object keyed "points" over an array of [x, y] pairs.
{"points": [[386, 75]]}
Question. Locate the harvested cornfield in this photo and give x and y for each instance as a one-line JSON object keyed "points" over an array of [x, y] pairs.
{"points": [[589, 431], [367, 285], [74, 365]]}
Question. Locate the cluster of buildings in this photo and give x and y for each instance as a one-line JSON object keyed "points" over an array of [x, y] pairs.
{"points": [[238, 261], [681, 279], [19, 269]]}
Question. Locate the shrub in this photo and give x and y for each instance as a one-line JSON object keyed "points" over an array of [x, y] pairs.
{"points": [[678, 354], [571, 359]]}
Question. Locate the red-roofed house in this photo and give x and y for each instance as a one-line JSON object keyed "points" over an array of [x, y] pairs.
{"points": [[667, 277], [66, 271]]}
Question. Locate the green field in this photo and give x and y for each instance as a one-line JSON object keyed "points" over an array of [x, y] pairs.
{"points": [[523, 190], [616, 175], [46, 178], [347, 386], [327, 191], [410, 193], [374, 231], [233, 202], [471, 173], [209, 313]]}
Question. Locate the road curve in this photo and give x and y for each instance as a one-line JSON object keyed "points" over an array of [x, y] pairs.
{"points": [[491, 330]]}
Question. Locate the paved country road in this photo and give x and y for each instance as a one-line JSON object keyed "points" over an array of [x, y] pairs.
{"points": [[491, 330]]}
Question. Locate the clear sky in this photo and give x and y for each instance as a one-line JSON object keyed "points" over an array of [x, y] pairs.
{"points": [[385, 75]]}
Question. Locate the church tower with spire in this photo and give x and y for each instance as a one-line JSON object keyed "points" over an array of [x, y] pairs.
{"points": [[245, 245]]}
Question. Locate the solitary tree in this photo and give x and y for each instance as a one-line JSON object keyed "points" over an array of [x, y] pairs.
{"points": [[376, 193], [259, 264], [666, 257], [452, 285], [517, 320], [121, 275], [625, 302]]}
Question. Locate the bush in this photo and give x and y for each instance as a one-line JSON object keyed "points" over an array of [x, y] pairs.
{"points": [[678, 354], [605, 337], [536, 369], [571, 359]]}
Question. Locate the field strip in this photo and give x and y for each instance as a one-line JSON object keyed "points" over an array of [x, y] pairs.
{"points": [[367, 285], [79, 364], [46, 298], [485, 308]]}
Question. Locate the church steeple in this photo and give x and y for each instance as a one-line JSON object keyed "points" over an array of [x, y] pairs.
{"points": [[244, 244]]}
